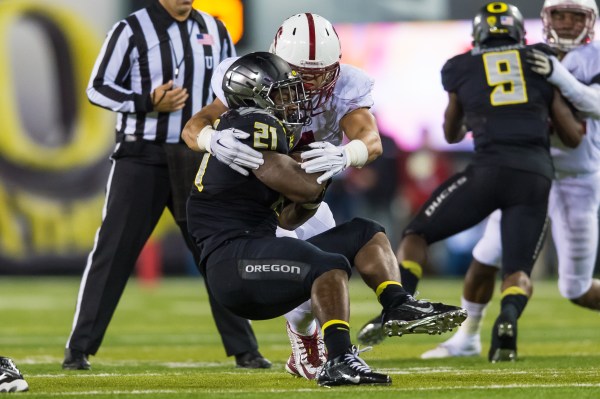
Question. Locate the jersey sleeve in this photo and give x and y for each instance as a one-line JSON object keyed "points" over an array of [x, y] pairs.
{"points": [[354, 90], [450, 72], [267, 133]]}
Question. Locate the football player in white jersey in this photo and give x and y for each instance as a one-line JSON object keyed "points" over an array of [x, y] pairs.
{"points": [[575, 194], [341, 99]]}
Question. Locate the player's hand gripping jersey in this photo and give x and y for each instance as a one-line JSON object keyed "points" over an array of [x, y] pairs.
{"points": [[505, 105], [231, 204]]}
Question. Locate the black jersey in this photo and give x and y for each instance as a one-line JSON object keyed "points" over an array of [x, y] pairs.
{"points": [[223, 203], [506, 107]]}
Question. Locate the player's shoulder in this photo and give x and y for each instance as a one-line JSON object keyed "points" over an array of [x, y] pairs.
{"points": [[353, 82]]}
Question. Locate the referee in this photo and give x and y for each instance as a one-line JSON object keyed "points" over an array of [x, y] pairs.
{"points": [[154, 71]]}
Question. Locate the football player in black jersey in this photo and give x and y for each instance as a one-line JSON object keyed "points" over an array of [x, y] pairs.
{"points": [[260, 276], [494, 94]]}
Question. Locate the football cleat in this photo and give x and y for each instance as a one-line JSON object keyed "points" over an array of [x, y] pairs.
{"points": [[372, 332], [459, 345], [308, 354], [349, 369], [11, 379], [504, 340], [421, 317]]}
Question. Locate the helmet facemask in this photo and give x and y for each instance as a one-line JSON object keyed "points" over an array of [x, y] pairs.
{"points": [[319, 84], [289, 101]]}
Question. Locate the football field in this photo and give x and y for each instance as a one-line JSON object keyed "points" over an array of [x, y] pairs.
{"points": [[162, 343]]}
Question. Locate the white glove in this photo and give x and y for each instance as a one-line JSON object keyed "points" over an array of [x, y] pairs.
{"points": [[324, 157], [541, 63], [225, 145]]}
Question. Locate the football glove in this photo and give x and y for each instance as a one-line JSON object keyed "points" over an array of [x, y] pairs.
{"points": [[324, 157], [541, 63], [225, 145]]}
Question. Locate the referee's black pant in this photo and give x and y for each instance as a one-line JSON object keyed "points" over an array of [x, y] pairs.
{"points": [[144, 179]]}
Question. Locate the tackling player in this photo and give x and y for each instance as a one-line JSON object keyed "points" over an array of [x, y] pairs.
{"points": [[575, 193]]}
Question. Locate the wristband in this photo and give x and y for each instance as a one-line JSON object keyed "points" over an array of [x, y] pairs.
{"points": [[203, 138], [356, 153]]}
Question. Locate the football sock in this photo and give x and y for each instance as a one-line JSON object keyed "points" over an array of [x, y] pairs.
{"points": [[475, 312], [301, 319], [513, 302], [410, 273], [391, 294], [336, 334]]}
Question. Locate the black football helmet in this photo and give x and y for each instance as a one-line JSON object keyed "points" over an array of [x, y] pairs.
{"points": [[264, 80], [498, 20]]}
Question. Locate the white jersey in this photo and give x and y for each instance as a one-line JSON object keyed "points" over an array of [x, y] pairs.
{"points": [[584, 64], [352, 91]]}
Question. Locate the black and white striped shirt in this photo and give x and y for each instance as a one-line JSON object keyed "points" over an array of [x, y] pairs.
{"points": [[146, 50]]}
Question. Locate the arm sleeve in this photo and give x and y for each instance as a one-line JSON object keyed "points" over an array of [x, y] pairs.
{"points": [[583, 97], [112, 68]]}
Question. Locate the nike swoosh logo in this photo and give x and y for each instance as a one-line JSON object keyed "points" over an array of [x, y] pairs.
{"points": [[353, 379], [428, 309]]}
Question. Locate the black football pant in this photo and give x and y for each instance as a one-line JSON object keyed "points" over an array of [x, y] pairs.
{"points": [[140, 185]]}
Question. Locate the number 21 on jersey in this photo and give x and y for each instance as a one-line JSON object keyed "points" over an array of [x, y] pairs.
{"points": [[504, 72]]}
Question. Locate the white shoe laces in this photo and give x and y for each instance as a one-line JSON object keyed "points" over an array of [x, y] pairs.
{"points": [[355, 362]]}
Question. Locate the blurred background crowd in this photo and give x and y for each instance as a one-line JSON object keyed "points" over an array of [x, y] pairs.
{"points": [[54, 146]]}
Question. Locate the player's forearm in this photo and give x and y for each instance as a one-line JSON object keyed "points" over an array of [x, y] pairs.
{"points": [[192, 129], [583, 97], [295, 215]]}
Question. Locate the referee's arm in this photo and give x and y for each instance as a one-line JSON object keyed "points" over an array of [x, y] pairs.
{"points": [[112, 68]]}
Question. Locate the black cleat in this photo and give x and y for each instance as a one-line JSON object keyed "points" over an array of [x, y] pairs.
{"points": [[252, 360], [75, 360], [11, 379], [349, 369], [422, 317], [504, 340], [372, 332]]}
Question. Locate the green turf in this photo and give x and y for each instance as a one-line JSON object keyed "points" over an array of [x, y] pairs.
{"points": [[162, 343]]}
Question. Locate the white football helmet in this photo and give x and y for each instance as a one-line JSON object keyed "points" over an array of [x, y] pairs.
{"points": [[587, 7], [310, 44]]}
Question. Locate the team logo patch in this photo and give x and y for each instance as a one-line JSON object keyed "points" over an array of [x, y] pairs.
{"points": [[272, 269]]}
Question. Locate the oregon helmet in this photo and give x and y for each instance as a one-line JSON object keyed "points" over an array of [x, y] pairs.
{"points": [[264, 80], [498, 20]]}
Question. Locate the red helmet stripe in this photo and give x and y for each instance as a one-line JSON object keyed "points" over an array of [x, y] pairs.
{"points": [[312, 45]]}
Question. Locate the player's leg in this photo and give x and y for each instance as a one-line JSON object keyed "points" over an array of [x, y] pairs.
{"points": [[573, 209], [376, 263], [478, 289], [523, 230], [260, 289], [308, 349]]}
